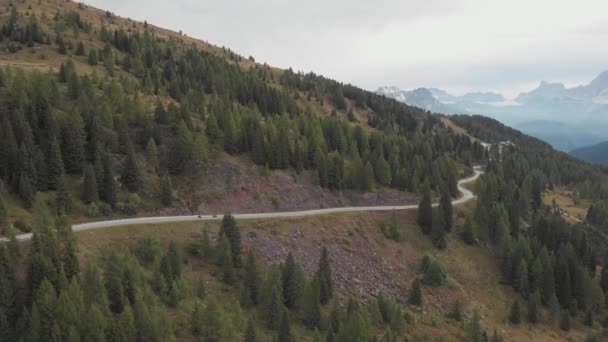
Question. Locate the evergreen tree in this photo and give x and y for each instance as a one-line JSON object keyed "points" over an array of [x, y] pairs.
{"points": [[212, 129], [311, 305], [324, 277], [152, 155], [445, 208], [284, 333], [232, 232], [108, 191], [271, 299], [93, 58], [425, 211], [131, 176], [26, 192], [55, 165], [292, 289], [166, 194], [71, 265], [224, 253], [199, 156], [63, 200], [415, 297], [90, 192], [515, 313], [73, 143], [438, 231], [252, 279]]}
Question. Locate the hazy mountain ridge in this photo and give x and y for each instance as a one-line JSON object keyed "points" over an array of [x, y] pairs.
{"points": [[574, 117], [596, 154]]}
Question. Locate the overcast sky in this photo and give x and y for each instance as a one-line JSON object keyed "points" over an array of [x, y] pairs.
{"points": [[458, 45]]}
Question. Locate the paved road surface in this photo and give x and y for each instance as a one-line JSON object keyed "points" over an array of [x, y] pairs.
{"points": [[466, 196]]}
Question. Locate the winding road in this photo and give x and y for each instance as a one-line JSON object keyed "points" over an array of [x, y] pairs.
{"points": [[467, 195]]}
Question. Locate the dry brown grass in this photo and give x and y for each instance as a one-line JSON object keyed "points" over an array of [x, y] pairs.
{"points": [[565, 199], [473, 270]]}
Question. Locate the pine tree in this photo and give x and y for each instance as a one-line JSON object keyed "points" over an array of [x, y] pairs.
{"points": [[445, 208], [63, 200], [166, 195], [284, 333], [324, 277], [152, 155], [311, 305], [425, 211], [252, 279], [415, 297], [199, 156], [108, 191], [93, 58], [232, 232], [55, 165], [438, 232], [224, 253], [271, 299], [73, 143], [291, 284], [212, 129], [26, 192], [90, 191], [515, 313], [131, 176], [71, 265]]}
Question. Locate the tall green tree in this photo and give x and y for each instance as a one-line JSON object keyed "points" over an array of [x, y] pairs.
{"points": [[425, 210], [445, 208], [230, 228], [90, 192], [55, 165], [131, 176], [324, 277], [252, 279], [152, 155], [166, 190]]}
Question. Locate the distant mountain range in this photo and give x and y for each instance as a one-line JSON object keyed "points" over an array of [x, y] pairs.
{"points": [[566, 118], [596, 154]]}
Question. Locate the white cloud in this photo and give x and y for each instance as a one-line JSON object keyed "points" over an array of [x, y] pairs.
{"points": [[454, 44]]}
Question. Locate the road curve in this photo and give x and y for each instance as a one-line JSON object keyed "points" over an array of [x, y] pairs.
{"points": [[467, 195]]}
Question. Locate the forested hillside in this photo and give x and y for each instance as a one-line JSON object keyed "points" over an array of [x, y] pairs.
{"points": [[130, 112], [104, 117]]}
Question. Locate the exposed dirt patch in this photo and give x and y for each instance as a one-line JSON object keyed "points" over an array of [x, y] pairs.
{"points": [[236, 186]]}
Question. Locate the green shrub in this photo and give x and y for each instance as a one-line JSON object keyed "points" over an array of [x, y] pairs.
{"points": [[393, 230], [434, 273]]}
